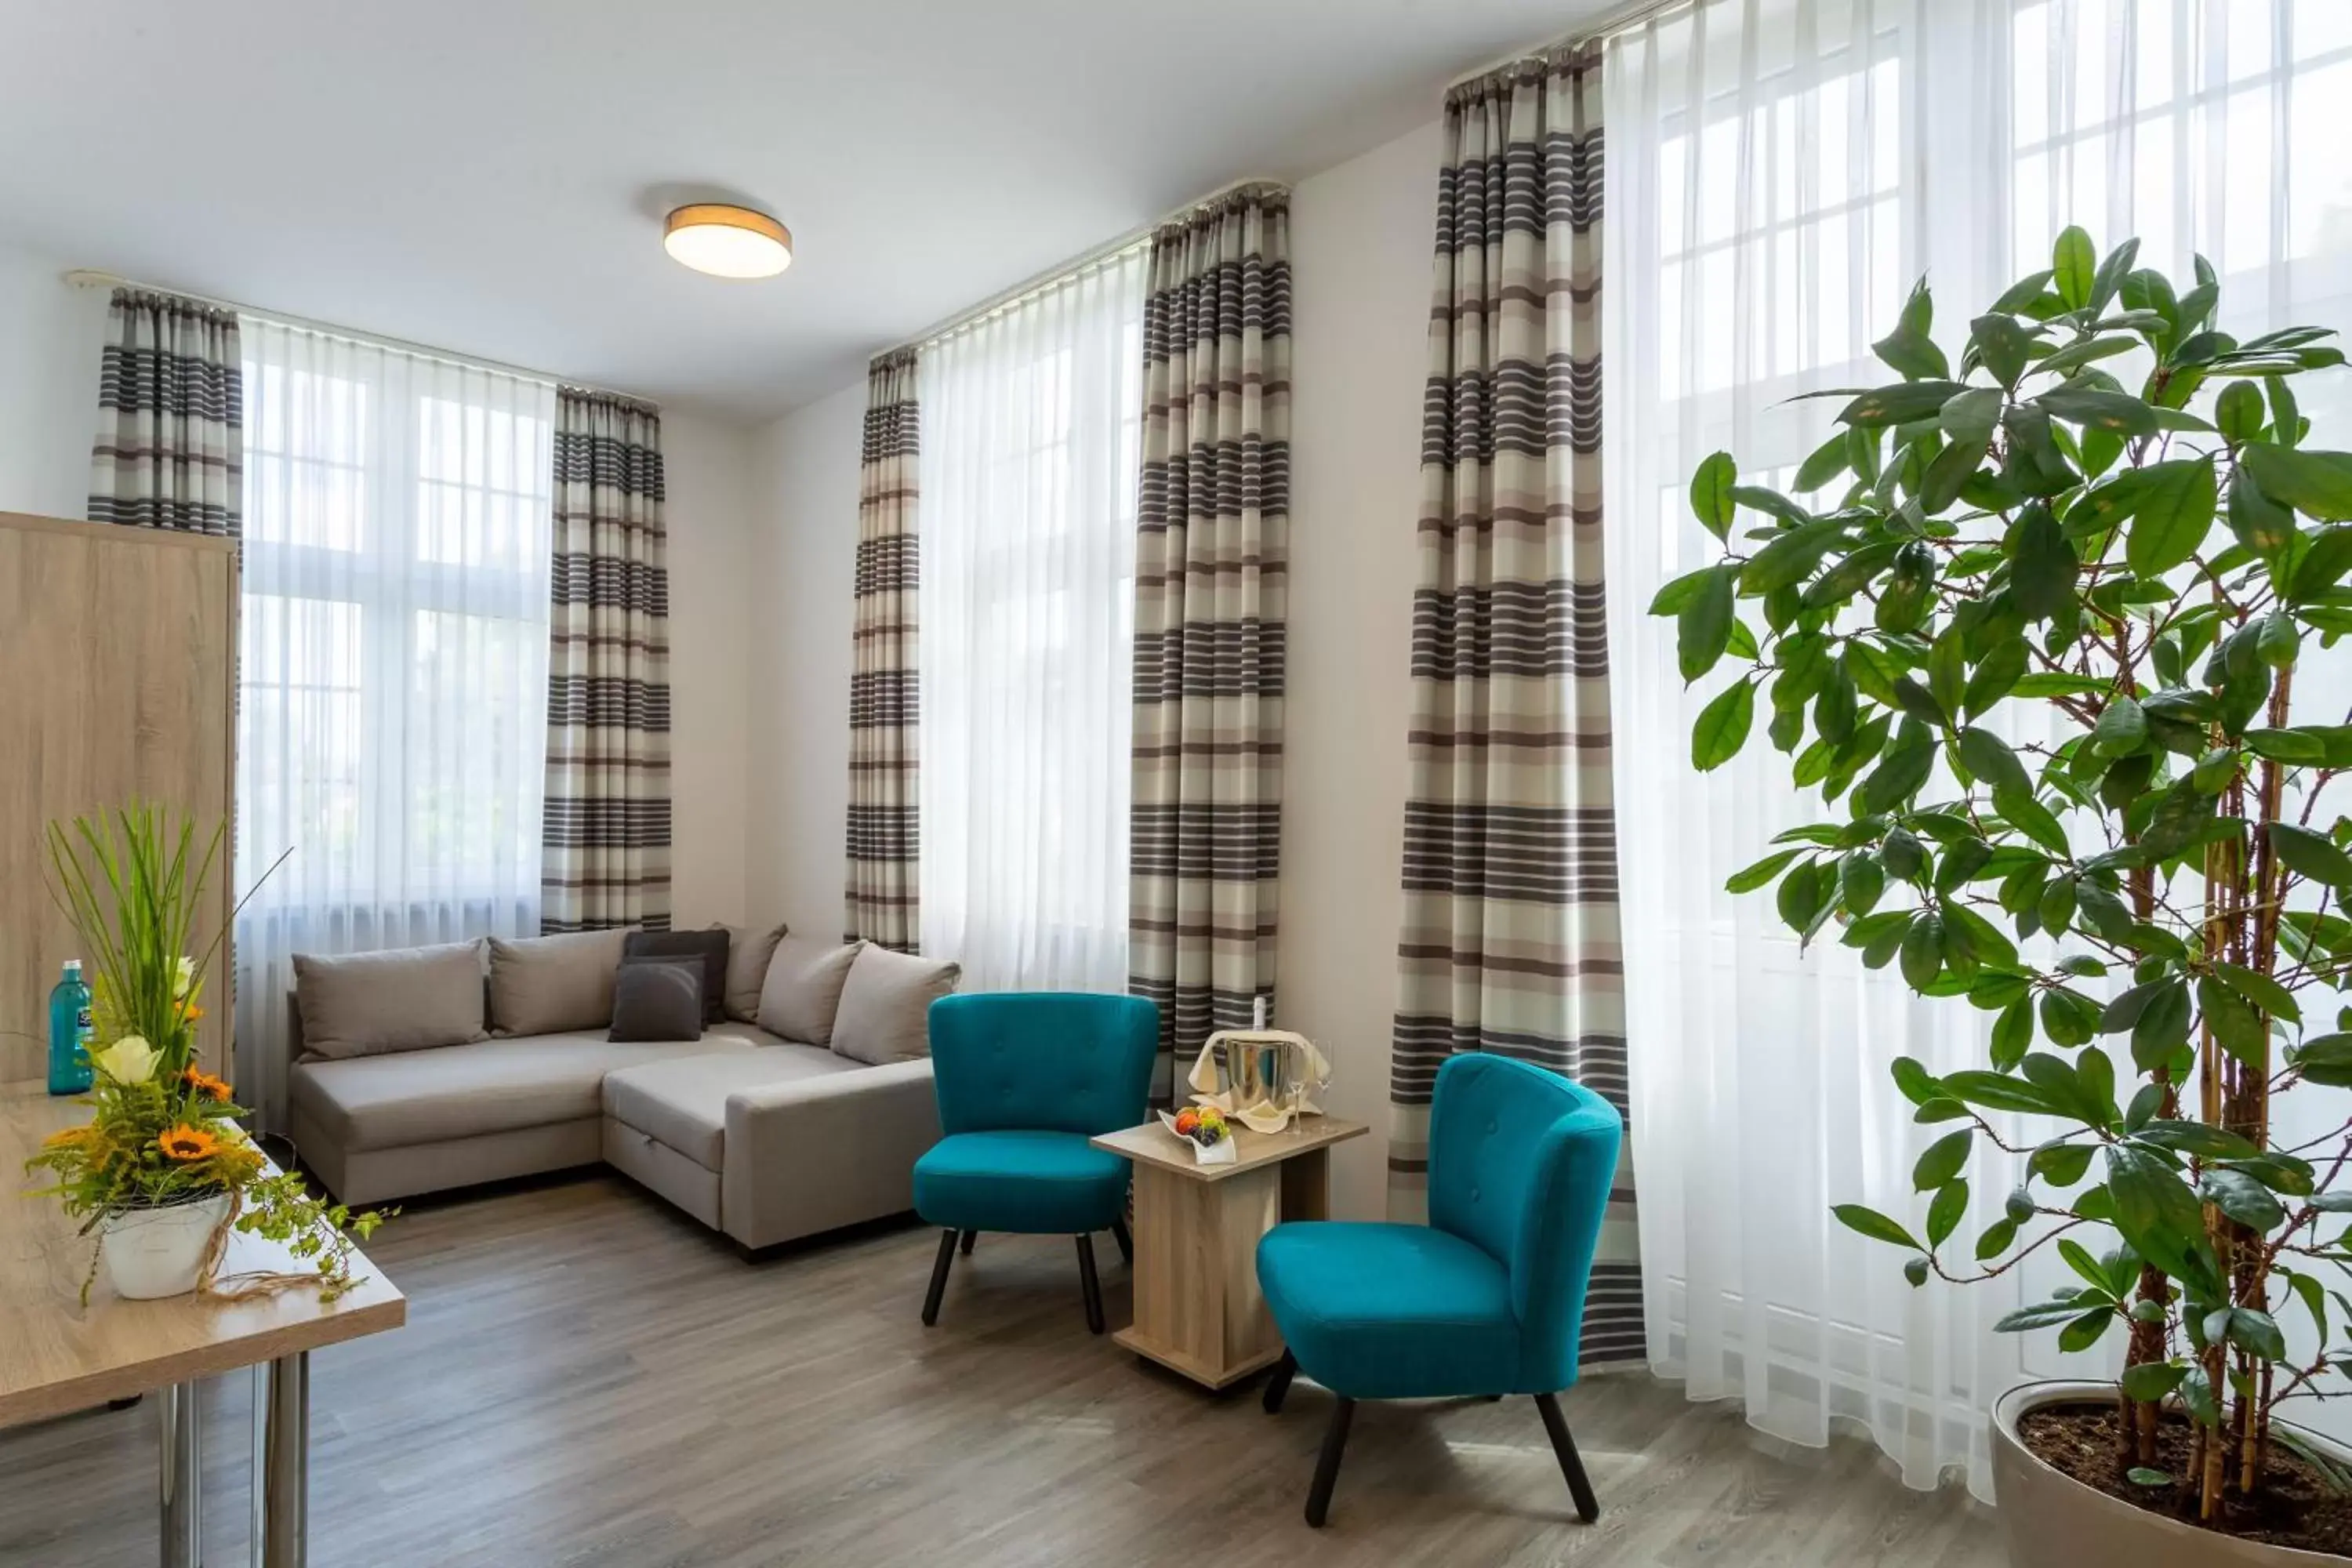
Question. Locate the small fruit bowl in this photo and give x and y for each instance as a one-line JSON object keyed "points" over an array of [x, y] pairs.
{"points": [[1204, 1130]]}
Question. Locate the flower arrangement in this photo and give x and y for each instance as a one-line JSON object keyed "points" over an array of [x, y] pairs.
{"points": [[163, 1131]]}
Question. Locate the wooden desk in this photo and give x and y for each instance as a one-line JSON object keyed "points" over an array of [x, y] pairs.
{"points": [[58, 1356], [1197, 1305]]}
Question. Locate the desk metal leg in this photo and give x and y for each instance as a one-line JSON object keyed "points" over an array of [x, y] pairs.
{"points": [[182, 1466], [284, 1476]]}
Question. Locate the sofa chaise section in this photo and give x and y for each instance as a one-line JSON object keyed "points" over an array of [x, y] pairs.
{"points": [[773, 1144], [396, 1125]]}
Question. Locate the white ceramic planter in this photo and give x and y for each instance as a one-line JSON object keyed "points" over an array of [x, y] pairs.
{"points": [[2053, 1521], [149, 1253]]}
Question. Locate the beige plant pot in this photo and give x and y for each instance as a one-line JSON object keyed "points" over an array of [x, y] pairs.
{"points": [[2055, 1521]]}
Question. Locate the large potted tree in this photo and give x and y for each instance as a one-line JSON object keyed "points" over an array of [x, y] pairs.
{"points": [[2034, 636]]}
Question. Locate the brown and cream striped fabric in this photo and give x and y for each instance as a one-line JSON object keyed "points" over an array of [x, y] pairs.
{"points": [[170, 451], [608, 812], [884, 837], [1510, 937], [1212, 549]]}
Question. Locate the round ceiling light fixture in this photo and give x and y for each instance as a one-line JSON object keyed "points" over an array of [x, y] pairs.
{"points": [[727, 241]]}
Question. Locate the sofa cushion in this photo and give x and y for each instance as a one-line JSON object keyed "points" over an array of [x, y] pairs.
{"points": [[464, 1091], [1391, 1312], [710, 947], [749, 952], [406, 999], [802, 990], [546, 984], [885, 1012], [1036, 1183], [657, 999], [682, 1101]]}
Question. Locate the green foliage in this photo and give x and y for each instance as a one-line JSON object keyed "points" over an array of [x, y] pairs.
{"points": [[2031, 640]]}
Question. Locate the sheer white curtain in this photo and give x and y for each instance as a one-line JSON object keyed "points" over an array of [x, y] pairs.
{"points": [[392, 727], [1028, 478], [1779, 172]]}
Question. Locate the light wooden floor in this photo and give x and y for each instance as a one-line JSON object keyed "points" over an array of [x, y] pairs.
{"points": [[590, 1379]]}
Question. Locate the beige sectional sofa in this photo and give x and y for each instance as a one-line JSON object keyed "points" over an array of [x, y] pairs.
{"points": [[401, 1086]]}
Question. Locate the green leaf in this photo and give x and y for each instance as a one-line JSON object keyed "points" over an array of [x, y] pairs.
{"points": [[2081, 1334], [1987, 756], [2074, 264], [1869, 1222], [1722, 726], [1710, 495], [2109, 279], [1899, 404], [2238, 412], [2122, 728], [2299, 748], [1996, 1091], [2278, 641], [1996, 1239], [2043, 570], [2317, 484], [1860, 882], [1759, 498], [2162, 1027], [2197, 1394], [2174, 514], [2243, 1198], [1829, 459], [1902, 769], [2012, 1034], [2322, 565], [1761, 873], [2031, 817], [1945, 1211], [1912, 352], [2309, 854], [2096, 410], [2158, 1216], [2142, 1474], [1997, 674], [1923, 950], [1788, 559], [2264, 992], [1703, 624], [2233, 1020], [2037, 1315]]}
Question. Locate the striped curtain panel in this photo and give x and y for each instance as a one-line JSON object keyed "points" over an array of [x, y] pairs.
{"points": [[1510, 935], [1212, 549], [170, 451], [884, 840], [607, 814]]}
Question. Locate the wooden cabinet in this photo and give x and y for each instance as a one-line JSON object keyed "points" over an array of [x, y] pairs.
{"points": [[118, 660]]}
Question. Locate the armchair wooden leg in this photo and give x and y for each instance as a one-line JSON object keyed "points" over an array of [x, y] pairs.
{"points": [[969, 1238], [939, 1278], [1091, 1286], [1580, 1486], [1119, 1233], [1327, 1468]]}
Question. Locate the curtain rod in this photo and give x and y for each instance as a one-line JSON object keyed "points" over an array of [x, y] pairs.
{"points": [[1037, 283], [94, 278], [1611, 23]]}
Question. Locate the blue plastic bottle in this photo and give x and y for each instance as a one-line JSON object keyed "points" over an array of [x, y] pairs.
{"points": [[70, 1032]]}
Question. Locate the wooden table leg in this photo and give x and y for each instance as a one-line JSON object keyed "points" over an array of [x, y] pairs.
{"points": [[1197, 1305]]}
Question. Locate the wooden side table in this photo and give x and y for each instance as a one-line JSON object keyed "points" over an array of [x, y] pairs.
{"points": [[1198, 1309]]}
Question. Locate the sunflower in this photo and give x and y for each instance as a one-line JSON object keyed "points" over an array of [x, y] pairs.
{"points": [[203, 1083], [187, 1143]]}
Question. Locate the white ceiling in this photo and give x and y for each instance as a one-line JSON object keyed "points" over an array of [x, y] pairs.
{"points": [[489, 175]]}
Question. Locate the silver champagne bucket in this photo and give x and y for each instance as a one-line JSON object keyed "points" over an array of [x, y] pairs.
{"points": [[1262, 1067]]}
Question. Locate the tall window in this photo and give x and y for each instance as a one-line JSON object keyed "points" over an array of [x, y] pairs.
{"points": [[1779, 173], [393, 679], [1031, 424]]}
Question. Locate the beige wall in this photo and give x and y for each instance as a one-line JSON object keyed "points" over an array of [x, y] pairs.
{"points": [[50, 337], [802, 562], [1361, 236]]}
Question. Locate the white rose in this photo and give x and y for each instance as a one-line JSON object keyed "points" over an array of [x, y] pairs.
{"points": [[128, 1060]]}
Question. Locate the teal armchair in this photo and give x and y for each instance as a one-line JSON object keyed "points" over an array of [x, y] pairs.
{"points": [[1486, 1300], [1024, 1079]]}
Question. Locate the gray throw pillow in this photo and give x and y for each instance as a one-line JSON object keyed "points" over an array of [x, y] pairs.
{"points": [[885, 1012], [657, 999], [707, 947], [404, 999], [748, 952], [802, 988], [547, 984]]}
